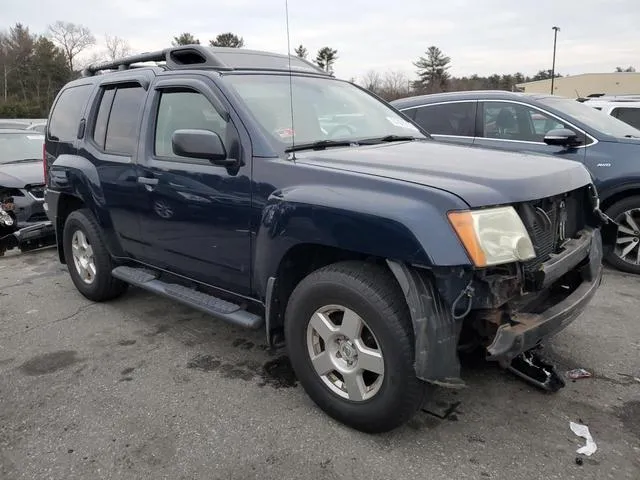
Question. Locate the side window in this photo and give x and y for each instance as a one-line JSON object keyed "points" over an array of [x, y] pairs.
{"points": [[628, 115], [512, 121], [185, 109], [100, 128], [65, 118], [123, 127], [456, 119]]}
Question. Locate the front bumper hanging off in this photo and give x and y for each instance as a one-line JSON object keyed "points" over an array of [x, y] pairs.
{"points": [[33, 236], [527, 330]]}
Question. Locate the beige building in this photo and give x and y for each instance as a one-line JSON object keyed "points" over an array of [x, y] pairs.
{"points": [[586, 83]]}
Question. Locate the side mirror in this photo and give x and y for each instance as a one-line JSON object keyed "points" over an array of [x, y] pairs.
{"points": [[562, 137], [203, 144]]}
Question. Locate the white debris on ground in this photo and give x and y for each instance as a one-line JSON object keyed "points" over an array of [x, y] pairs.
{"points": [[583, 431]]}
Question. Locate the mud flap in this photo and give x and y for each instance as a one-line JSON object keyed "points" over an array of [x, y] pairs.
{"points": [[436, 331]]}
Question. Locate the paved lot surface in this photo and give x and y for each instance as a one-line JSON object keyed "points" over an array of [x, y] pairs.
{"points": [[143, 388]]}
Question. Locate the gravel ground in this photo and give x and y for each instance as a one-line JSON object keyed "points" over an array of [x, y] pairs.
{"points": [[144, 388]]}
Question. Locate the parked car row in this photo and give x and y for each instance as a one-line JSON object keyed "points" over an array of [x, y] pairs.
{"points": [[547, 125]]}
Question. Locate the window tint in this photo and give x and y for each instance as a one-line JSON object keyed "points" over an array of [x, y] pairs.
{"points": [[512, 121], [67, 112], [628, 115], [124, 121], [100, 128], [456, 119], [185, 110]]}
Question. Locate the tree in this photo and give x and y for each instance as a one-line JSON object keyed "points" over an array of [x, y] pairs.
{"points": [[301, 51], [116, 47], [432, 71], [372, 81], [33, 70], [544, 75], [71, 38], [227, 40], [185, 39], [628, 69], [325, 59]]}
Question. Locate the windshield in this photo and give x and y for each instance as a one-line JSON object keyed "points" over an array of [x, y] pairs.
{"points": [[20, 146], [323, 109], [593, 118]]}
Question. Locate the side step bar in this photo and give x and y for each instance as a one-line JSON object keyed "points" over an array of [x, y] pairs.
{"points": [[216, 307]]}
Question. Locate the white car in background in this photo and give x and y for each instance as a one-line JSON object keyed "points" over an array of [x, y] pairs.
{"points": [[622, 107]]}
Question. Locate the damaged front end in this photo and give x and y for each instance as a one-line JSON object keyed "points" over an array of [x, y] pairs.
{"points": [[508, 310]]}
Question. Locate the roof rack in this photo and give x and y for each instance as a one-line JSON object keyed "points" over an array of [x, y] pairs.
{"points": [[215, 58]]}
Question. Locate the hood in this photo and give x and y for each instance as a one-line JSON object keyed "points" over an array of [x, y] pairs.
{"points": [[480, 177], [17, 175]]}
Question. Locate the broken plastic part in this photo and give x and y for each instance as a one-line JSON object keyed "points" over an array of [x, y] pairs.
{"points": [[530, 366], [578, 373]]}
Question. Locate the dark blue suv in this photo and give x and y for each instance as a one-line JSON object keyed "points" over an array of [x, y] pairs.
{"points": [[553, 125], [258, 189]]}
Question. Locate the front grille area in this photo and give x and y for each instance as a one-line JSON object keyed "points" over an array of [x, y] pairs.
{"points": [[551, 221], [37, 191]]}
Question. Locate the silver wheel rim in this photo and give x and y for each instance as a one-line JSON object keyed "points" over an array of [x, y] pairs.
{"points": [[628, 237], [345, 353], [83, 257]]}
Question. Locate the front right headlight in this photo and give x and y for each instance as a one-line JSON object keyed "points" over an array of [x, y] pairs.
{"points": [[493, 236]]}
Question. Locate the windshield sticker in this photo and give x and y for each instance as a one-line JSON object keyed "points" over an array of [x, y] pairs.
{"points": [[285, 132], [398, 122]]}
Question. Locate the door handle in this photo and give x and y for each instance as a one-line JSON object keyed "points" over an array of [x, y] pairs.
{"points": [[148, 181]]}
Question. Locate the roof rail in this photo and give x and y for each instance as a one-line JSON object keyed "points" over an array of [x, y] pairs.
{"points": [[199, 56]]}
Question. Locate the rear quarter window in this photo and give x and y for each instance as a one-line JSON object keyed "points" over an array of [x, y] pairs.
{"points": [[630, 115], [67, 112]]}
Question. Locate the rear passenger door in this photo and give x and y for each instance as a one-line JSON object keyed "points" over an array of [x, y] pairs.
{"points": [[112, 136], [449, 122]]}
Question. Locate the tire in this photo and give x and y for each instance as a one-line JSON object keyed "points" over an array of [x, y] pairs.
{"points": [[101, 286], [617, 213], [374, 295]]}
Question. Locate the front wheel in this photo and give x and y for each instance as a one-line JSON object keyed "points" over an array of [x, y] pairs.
{"points": [[350, 341], [625, 255]]}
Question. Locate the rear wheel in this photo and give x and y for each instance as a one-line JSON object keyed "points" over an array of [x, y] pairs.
{"points": [[625, 255], [87, 258], [350, 341]]}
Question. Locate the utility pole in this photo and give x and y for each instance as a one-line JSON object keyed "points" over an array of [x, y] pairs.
{"points": [[553, 67]]}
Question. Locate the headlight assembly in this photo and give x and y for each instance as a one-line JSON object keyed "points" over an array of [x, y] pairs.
{"points": [[493, 236]]}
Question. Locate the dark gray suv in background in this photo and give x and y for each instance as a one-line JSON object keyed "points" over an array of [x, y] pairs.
{"points": [[552, 125]]}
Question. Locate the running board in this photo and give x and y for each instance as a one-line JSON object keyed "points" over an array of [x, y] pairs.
{"points": [[216, 307]]}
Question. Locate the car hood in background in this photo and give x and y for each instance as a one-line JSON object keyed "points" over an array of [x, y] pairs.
{"points": [[17, 175]]}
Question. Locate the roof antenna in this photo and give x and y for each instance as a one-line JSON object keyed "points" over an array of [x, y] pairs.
{"points": [[293, 130]]}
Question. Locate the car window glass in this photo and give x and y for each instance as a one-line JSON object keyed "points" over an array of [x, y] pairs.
{"points": [[66, 114], [184, 110], [100, 128], [124, 120], [628, 115], [512, 121], [456, 119], [20, 146], [323, 109]]}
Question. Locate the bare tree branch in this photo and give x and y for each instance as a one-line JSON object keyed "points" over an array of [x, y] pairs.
{"points": [[71, 38], [116, 47]]}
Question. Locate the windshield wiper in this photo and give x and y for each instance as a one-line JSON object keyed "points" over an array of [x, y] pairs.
{"points": [[23, 160], [321, 145], [388, 138]]}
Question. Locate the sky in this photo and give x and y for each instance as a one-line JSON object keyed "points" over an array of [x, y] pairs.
{"points": [[482, 36]]}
